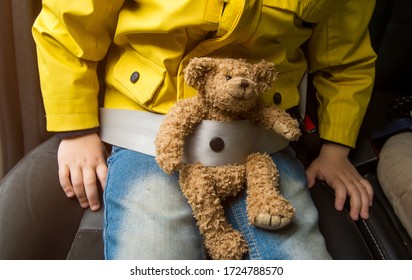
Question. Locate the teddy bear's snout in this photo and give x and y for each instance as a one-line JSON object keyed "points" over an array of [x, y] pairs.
{"points": [[243, 90], [244, 83]]}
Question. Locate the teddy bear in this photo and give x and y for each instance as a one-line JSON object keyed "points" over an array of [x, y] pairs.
{"points": [[228, 90]]}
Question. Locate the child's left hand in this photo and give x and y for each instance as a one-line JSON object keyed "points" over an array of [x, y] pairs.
{"points": [[333, 166]]}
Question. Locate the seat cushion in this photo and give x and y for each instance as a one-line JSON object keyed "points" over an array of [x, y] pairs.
{"points": [[88, 242], [37, 220], [395, 176]]}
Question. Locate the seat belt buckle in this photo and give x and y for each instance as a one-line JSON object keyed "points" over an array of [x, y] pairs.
{"points": [[308, 125], [308, 145]]}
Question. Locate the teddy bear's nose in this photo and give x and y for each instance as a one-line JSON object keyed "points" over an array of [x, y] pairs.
{"points": [[244, 83]]}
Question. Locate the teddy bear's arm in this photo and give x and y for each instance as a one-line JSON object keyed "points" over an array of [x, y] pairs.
{"points": [[178, 123], [273, 117]]}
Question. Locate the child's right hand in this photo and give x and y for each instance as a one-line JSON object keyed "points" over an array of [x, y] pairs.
{"points": [[82, 163]]}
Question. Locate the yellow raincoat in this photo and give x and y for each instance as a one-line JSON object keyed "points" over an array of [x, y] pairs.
{"points": [[149, 42]]}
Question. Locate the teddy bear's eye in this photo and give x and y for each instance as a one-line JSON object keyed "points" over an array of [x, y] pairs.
{"points": [[228, 77]]}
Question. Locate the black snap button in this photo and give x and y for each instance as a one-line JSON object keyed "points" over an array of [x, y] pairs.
{"points": [[277, 98], [217, 144], [134, 77]]}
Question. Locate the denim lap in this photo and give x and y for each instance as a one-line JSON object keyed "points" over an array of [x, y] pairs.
{"points": [[299, 240], [147, 216]]}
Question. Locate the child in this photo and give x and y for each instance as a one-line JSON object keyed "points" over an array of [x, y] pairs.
{"points": [[147, 44]]}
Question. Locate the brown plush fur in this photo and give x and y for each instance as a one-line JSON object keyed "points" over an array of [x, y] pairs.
{"points": [[228, 89]]}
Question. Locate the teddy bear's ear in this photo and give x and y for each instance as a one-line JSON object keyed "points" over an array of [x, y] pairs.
{"points": [[196, 70], [265, 75]]}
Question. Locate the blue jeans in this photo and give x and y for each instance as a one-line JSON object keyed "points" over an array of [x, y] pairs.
{"points": [[147, 216]]}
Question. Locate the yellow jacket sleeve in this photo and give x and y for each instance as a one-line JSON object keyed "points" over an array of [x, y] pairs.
{"points": [[342, 60], [71, 38]]}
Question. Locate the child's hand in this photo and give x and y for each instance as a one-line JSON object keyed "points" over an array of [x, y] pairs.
{"points": [[81, 160], [333, 167]]}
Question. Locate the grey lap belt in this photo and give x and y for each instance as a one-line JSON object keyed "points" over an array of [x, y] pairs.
{"points": [[212, 143]]}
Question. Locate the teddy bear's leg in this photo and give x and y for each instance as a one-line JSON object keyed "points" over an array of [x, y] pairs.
{"points": [[220, 239], [229, 180], [266, 207]]}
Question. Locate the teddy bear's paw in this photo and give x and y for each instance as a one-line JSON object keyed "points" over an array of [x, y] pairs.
{"points": [[292, 134], [274, 215], [268, 221], [271, 212], [168, 164], [228, 246]]}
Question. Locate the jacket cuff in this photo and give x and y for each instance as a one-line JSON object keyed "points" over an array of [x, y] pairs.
{"points": [[324, 141], [76, 133]]}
